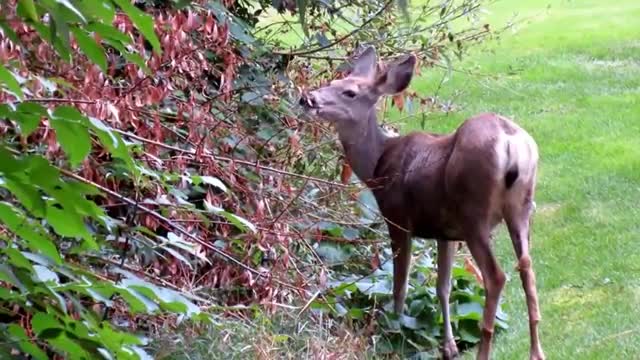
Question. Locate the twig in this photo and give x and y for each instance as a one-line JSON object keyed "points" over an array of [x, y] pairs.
{"points": [[340, 39], [286, 208], [306, 306]]}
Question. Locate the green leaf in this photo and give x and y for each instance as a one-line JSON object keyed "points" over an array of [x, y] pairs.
{"points": [[108, 32], [138, 302], [469, 310], [17, 259], [69, 224], [29, 114], [409, 322], [469, 332], [70, 6], [27, 194], [211, 181], [11, 83], [90, 48], [368, 206], [14, 220], [28, 8], [138, 60], [302, 11], [170, 300], [178, 256], [70, 194], [239, 222], [59, 33], [375, 286], [116, 339], [113, 142], [25, 343], [7, 275], [102, 9], [143, 22], [45, 275], [43, 321], [180, 243], [356, 313], [252, 97], [129, 56], [99, 297], [67, 346], [404, 9], [8, 163], [72, 133]]}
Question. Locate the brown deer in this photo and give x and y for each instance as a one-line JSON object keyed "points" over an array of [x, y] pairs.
{"points": [[453, 187]]}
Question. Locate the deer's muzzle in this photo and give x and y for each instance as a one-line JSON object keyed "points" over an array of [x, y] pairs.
{"points": [[308, 101]]}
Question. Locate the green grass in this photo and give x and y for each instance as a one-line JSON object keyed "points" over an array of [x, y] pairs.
{"points": [[571, 77]]}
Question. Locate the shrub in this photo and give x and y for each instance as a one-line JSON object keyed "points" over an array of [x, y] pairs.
{"points": [[153, 167]]}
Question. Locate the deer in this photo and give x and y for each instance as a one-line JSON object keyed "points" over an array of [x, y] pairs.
{"points": [[451, 188]]}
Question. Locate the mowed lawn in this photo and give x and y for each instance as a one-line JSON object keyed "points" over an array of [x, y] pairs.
{"points": [[570, 75]]}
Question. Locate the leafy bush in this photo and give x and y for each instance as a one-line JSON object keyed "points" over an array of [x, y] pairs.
{"points": [[358, 298], [152, 166]]}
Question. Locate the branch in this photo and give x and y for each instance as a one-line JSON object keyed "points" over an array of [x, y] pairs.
{"points": [[340, 39], [178, 228], [232, 160], [192, 152]]}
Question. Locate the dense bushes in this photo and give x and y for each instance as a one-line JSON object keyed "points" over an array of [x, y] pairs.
{"points": [[153, 170]]}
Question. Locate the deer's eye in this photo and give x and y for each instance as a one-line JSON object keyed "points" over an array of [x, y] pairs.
{"points": [[349, 93]]}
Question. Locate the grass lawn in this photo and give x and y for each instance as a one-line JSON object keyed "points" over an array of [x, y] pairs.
{"points": [[571, 77]]}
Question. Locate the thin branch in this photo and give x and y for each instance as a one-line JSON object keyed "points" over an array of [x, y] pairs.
{"points": [[176, 227], [232, 160], [340, 39], [286, 208]]}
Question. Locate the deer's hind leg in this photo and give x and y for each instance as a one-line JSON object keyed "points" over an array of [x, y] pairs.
{"points": [[517, 214]]}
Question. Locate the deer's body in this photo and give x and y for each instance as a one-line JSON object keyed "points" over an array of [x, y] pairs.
{"points": [[453, 187], [424, 181]]}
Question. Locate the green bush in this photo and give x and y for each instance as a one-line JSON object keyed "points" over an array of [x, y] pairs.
{"points": [[153, 170]]}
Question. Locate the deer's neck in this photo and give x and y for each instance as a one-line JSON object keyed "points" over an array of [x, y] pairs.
{"points": [[363, 145]]}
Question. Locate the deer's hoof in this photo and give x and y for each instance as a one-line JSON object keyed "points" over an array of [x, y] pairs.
{"points": [[449, 349], [537, 355]]}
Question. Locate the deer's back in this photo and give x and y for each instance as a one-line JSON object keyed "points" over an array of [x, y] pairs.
{"points": [[434, 184]]}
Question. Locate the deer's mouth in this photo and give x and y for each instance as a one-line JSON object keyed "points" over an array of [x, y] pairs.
{"points": [[308, 102]]}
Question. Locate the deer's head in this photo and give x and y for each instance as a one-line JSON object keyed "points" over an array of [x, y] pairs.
{"points": [[347, 101]]}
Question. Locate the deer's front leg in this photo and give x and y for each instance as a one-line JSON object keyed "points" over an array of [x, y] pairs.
{"points": [[446, 251], [401, 246]]}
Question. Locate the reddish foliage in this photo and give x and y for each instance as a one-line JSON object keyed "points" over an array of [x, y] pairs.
{"points": [[129, 100]]}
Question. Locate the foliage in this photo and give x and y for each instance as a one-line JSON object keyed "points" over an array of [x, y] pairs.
{"points": [[284, 335], [362, 298], [152, 163]]}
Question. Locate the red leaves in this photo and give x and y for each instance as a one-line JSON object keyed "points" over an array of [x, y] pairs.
{"points": [[398, 101], [192, 22], [177, 120], [346, 172], [473, 269], [375, 259]]}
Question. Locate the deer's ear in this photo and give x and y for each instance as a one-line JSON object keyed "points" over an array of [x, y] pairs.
{"points": [[365, 65], [396, 77]]}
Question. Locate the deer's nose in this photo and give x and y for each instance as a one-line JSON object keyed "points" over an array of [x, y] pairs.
{"points": [[308, 101]]}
